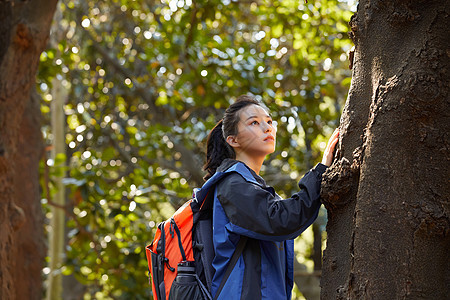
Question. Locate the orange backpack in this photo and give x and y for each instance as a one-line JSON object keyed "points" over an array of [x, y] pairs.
{"points": [[181, 254]]}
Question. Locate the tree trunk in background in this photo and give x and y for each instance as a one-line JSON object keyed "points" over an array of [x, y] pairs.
{"points": [[24, 31], [388, 192], [58, 221]]}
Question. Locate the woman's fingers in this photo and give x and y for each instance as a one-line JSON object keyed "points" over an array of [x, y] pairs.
{"points": [[328, 155], [333, 140], [335, 134]]}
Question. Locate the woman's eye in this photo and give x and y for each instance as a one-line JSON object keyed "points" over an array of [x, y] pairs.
{"points": [[254, 123], [270, 122]]}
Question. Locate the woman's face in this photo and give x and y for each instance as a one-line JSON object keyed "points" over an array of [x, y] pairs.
{"points": [[256, 132]]}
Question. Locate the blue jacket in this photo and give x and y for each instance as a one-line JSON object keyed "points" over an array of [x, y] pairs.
{"points": [[245, 205]]}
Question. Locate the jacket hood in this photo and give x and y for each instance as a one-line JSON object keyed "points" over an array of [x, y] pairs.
{"points": [[229, 162], [226, 164]]}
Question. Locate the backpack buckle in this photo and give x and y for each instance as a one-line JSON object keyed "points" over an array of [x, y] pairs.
{"points": [[166, 261]]}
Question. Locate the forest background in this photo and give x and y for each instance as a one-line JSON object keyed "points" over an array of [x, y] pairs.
{"points": [[137, 85]]}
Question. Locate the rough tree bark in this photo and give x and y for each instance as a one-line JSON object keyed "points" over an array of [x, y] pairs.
{"points": [[24, 30], [387, 193]]}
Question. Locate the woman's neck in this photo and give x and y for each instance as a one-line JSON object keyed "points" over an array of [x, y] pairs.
{"points": [[254, 163]]}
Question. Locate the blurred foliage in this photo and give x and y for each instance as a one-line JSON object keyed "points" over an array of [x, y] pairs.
{"points": [[146, 82]]}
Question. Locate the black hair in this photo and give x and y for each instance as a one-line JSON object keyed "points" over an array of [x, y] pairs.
{"points": [[217, 149]]}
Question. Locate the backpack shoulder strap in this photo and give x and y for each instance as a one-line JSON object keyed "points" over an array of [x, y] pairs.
{"points": [[204, 227], [237, 253], [204, 236]]}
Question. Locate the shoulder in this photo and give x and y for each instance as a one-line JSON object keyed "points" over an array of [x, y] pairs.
{"points": [[237, 186], [232, 179]]}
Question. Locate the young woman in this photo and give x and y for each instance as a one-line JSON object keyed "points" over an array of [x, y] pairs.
{"points": [[244, 206]]}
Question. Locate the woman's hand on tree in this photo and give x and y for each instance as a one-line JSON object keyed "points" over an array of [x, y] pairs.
{"points": [[328, 154]]}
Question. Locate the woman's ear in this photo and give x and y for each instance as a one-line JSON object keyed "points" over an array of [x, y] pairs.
{"points": [[232, 141]]}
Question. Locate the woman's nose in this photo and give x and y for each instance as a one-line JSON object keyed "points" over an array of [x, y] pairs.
{"points": [[267, 127]]}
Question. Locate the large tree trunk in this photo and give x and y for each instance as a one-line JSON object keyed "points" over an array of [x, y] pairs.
{"points": [[388, 193], [24, 31]]}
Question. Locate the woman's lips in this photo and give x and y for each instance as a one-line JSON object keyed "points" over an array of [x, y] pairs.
{"points": [[269, 138]]}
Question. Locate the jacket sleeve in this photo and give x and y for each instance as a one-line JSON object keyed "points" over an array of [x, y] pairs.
{"points": [[259, 213]]}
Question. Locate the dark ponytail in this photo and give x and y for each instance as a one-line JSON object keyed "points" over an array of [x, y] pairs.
{"points": [[217, 149]]}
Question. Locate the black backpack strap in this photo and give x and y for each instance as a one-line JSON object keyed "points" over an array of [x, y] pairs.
{"points": [[206, 294], [204, 235], [159, 261], [173, 225], [237, 253]]}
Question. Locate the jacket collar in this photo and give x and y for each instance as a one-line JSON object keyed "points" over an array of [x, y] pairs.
{"points": [[230, 165]]}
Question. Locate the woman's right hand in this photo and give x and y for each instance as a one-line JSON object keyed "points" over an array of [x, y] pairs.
{"points": [[329, 150]]}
